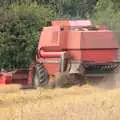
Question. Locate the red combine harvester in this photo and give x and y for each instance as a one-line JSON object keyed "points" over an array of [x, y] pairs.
{"points": [[73, 48]]}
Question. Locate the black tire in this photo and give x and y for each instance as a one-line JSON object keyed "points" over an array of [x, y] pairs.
{"points": [[67, 80], [41, 76], [63, 80], [77, 79]]}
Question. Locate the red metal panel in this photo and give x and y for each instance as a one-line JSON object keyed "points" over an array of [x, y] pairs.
{"points": [[99, 55], [5, 77], [75, 54], [91, 40], [20, 76], [50, 54], [61, 23], [52, 68], [74, 40], [2, 80], [52, 39], [98, 39]]}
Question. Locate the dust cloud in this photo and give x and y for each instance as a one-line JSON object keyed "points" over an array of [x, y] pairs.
{"points": [[110, 81]]}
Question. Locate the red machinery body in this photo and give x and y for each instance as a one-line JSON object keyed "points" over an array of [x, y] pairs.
{"points": [[65, 46], [19, 76], [83, 42]]}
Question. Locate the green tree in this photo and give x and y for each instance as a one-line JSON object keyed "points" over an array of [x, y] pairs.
{"points": [[19, 32], [105, 13], [71, 8]]}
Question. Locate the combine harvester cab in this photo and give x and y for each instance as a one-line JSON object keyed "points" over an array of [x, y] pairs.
{"points": [[75, 47]]}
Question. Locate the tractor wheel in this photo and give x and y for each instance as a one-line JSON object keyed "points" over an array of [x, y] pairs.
{"points": [[40, 76], [67, 80], [63, 80], [77, 79]]}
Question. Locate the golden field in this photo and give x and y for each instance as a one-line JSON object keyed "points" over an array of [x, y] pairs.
{"points": [[75, 103]]}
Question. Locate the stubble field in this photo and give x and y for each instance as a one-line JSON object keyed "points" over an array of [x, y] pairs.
{"points": [[75, 103]]}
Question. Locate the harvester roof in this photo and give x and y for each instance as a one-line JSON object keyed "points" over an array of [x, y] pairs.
{"points": [[71, 23]]}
